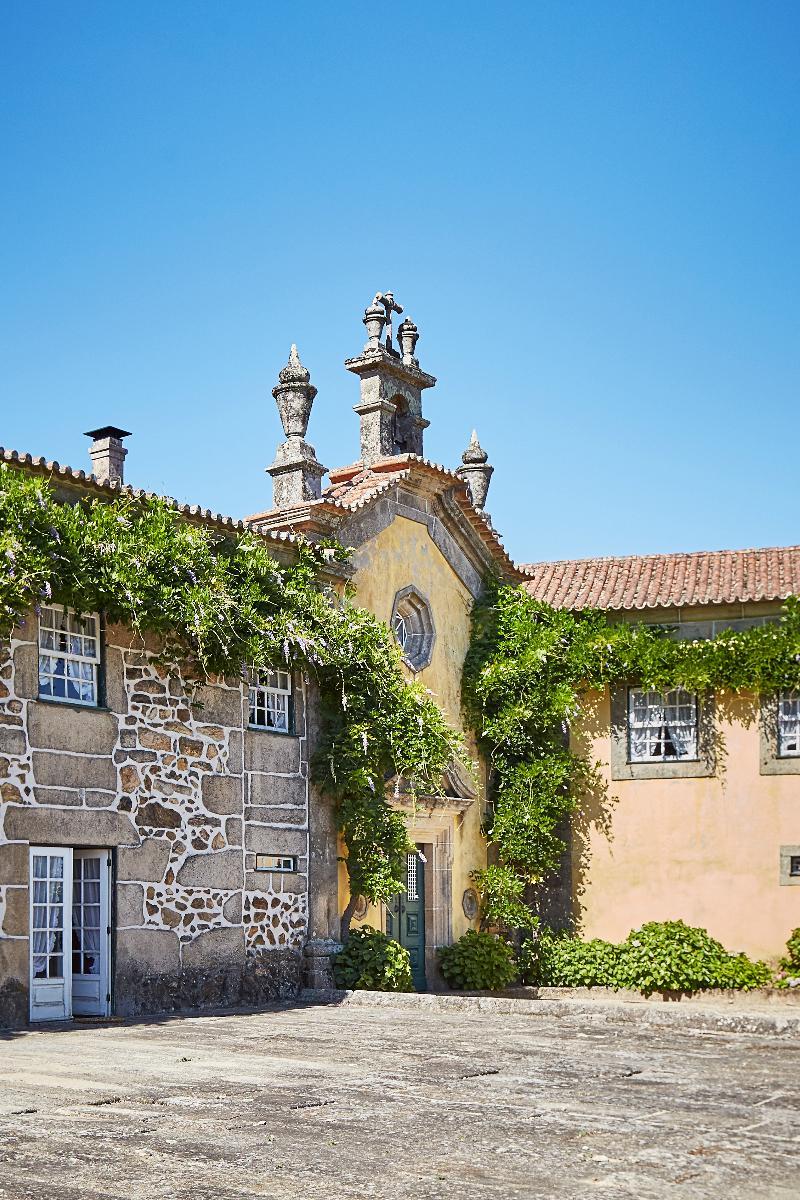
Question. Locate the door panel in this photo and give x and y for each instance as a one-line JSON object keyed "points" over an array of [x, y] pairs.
{"points": [[90, 932], [405, 919], [50, 928]]}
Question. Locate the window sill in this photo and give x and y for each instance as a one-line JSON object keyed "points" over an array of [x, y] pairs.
{"points": [[72, 705], [283, 733], [685, 768]]}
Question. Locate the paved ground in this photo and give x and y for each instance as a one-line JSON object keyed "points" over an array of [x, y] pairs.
{"points": [[361, 1102]]}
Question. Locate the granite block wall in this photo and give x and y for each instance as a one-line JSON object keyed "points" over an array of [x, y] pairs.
{"points": [[186, 796]]}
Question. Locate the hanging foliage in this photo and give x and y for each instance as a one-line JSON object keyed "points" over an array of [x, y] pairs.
{"points": [[526, 677], [222, 603]]}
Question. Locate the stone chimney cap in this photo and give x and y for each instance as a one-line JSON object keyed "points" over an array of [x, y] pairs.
{"points": [[108, 431], [474, 452], [294, 371]]}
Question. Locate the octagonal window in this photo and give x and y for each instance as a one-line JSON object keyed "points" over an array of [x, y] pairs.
{"points": [[412, 626]]}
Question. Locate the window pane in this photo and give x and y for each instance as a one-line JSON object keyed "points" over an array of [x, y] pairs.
{"points": [[662, 726]]}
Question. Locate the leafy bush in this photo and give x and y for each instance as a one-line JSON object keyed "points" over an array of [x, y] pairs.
{"points": [[569, 962], [660, 956], [671, 956], [789, 966], [372, 961], [478, 961], [502, 899]]}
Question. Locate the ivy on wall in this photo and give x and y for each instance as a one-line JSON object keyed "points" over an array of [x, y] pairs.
{"points": [[526, 677], [222, 603]]}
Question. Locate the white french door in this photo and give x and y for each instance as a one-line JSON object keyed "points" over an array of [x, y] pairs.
{"points": [[69, 932], [90, 932]]}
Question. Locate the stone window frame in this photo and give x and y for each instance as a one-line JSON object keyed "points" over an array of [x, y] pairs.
{"points": [[701, 767], [771, 762], [412, 607], [98, 662], [786, 855], [256, 685]]}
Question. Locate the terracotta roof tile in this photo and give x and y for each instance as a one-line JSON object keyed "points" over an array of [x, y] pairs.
{"points": [[667, 580], [355, 486], [57, 471]]}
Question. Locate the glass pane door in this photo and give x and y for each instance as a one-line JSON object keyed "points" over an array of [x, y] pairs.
{"points": [[90, 935], [51, 896]]}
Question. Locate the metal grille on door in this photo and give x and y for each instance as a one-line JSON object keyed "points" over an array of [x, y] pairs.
{"points": [[411, 877]]}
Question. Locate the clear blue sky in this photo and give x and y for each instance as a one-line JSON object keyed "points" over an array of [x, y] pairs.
{"points": [[590, 210]]}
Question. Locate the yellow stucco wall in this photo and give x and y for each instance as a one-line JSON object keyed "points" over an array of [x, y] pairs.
{"points": [[702, 850], [400, 555]]}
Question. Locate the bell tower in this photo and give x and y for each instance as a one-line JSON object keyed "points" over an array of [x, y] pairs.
{"points": [[392, 384]]}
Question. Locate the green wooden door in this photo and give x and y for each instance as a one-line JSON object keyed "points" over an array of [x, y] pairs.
{"points": [[405, 919]]}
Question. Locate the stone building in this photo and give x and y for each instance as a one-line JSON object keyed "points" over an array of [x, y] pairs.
{"points": [[158, 854]]}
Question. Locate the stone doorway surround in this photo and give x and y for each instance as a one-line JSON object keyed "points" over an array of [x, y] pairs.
{"points": [[431, 826]]}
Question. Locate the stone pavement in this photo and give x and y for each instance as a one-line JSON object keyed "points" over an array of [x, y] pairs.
{"points": [[402, 1102]]}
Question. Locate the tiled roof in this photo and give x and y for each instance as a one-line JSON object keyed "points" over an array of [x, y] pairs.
{"points": [[354, 487], [667, 580], [57, 472]]}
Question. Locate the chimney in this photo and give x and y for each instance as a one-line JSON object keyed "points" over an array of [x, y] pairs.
{"points": [[108, 453]]}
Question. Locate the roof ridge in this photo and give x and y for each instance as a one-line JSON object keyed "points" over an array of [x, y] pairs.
{"points": [[655, 557], [115, 487]]}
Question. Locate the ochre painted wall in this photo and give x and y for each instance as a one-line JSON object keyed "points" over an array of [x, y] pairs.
{"points": [[400, 555], [702, 850]]}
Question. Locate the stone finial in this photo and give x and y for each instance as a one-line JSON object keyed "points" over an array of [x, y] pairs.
{"points": [[108, 453], [374, 318], [476, 471], [408, 336], [379, 315], [296, 473], [294, 395]]}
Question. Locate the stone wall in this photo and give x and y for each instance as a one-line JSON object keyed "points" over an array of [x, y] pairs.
{"points": [[186, 796]]}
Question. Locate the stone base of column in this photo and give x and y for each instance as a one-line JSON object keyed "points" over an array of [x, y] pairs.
{"points": [[318, 956]]}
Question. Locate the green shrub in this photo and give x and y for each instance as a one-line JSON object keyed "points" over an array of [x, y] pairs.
{"points": [[671, 956], [478, 961], [789, 966], [660, 956], [372, 961], [502, 896], [569, 962]]}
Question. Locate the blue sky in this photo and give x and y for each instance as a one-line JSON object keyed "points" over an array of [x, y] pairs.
{"points": [[589, 209]]}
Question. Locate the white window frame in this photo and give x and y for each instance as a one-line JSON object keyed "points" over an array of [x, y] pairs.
{"points": [[270, 699], [656, 719], [788, 720], [74, 640], [400, 629]]}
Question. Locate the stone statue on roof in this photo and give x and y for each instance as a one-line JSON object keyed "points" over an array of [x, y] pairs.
{"points": [[390, 306]]}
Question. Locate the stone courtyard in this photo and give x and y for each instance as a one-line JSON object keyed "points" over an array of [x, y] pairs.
{"points": [[391, 1102]]}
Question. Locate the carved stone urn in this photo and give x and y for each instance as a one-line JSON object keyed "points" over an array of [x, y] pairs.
{"points": [[476, 471], [294, 395], [374, 318], [408, 335]]}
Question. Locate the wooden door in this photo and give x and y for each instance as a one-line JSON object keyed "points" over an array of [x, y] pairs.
{"points": [[91, 933], [405, 919], [50, 928]]}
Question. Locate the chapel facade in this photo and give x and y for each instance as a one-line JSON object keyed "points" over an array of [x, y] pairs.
{"points": [[160, 851]]}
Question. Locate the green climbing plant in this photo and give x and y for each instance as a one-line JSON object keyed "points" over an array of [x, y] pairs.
{"points": [[222, 602], [526, 679]]}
